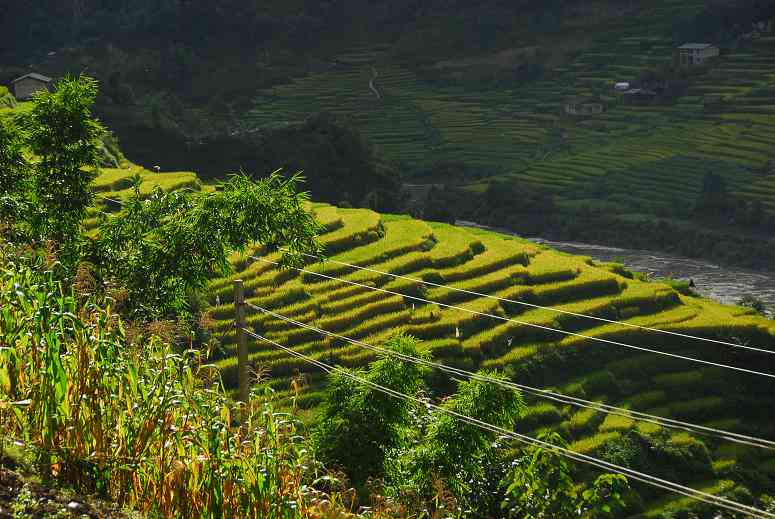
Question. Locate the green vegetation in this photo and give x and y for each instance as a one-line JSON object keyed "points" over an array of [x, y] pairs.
{"points": [[114, 407], [165, 275], [461, 339], [7, 100], [472, 97], [50, 200], [137, 422], [161, 248], [519, 270]]}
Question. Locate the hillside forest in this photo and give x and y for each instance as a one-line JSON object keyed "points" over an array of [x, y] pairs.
{"points": [[287, 259], [466, 98]]}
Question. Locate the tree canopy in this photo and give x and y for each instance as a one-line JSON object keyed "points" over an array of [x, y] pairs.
{"points": [[160, 248]]}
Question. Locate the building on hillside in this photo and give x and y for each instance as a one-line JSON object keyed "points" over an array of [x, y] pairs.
{"points": [[639, 96], [691, 54], [584, 106], [28, 84]]}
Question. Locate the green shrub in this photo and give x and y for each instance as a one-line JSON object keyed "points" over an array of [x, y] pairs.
{"points": [[679, 285], [448, 448], [540, 415], [754, 303], [350, 433], [7, 100]]}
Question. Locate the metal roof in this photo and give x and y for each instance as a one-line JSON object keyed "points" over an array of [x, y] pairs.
{"points": [[33, 75], [697, 46]]}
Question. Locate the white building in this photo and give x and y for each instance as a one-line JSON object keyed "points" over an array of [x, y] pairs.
{"points": [[690, 54]]}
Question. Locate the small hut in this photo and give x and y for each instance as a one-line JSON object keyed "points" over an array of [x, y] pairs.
{"points": [[584, 106], [28, 84]]}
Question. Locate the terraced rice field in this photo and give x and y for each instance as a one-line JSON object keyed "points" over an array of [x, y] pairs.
{"points": [[636, 159], [512, 268], [115, 184]]}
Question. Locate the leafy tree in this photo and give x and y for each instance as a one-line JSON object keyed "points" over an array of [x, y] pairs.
{"points": [[335, 159], [450, 450], [541, 486], [437, 207], [359, 424], [163, 248], [713, 197], [65, 139]]}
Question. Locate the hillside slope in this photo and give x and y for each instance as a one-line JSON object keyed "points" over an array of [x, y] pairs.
{"points": [[519, 270], [639, 158], [515, 269], [478, 84]]}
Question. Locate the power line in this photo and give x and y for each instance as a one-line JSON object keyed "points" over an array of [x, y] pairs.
{"points": [[525, 323], [543, 393], [532, 305], [583, 458]]}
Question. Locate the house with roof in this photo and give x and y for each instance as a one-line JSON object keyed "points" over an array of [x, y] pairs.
{"points": [[691, 54], [584, 106], [28, 84]]}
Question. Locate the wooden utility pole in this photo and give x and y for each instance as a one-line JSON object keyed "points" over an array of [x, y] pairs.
{"points": [[242, 342]]}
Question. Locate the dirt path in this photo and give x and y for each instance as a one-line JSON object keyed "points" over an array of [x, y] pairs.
{"points": [[374, 76]]}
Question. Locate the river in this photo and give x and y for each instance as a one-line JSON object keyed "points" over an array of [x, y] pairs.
{"points": [[725, 284]]}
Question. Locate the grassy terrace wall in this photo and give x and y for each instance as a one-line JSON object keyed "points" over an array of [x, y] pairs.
{"points": [[519, 270]]}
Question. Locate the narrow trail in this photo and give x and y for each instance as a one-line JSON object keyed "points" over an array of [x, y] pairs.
{"points": [[373, 88]]}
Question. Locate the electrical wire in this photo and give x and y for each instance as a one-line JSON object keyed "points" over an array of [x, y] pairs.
{"points": [[532, 325], [532, 305], [576, 456], [543, 393]]}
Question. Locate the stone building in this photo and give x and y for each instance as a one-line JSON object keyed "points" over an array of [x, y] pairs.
{"points": [[28, 84]]}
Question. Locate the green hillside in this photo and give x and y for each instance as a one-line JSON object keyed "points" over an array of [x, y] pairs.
{"points": [[512, 268], [629, 160], [516, 269], [481, 85]]}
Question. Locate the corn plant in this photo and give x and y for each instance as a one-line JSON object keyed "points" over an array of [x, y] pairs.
{"points": [[142, 424]]}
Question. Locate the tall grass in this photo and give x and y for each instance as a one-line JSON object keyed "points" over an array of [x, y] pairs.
{"points": [[139, 423]]}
